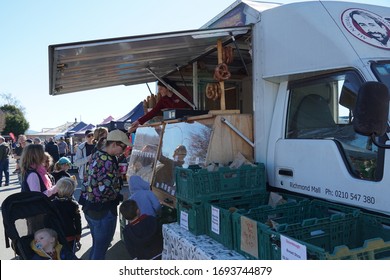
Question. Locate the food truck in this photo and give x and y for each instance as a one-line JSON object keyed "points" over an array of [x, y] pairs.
{"points": [[282, 85]]}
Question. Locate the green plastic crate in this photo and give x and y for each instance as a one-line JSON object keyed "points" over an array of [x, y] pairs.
{"points": [[299, 217], [219, 216], [372, 249], [195, 216], [371, 241], [324, 234], [198, 185]]}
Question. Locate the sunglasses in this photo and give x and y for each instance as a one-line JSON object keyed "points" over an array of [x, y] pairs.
{"points": [[90, 135], [123, 146]]}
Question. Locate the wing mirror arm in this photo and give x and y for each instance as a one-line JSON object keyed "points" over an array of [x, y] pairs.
{"points": [[380, 145]]}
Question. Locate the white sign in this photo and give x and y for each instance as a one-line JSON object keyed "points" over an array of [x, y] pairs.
{"points": [[184, 220], [292, 250], [215, 220]]}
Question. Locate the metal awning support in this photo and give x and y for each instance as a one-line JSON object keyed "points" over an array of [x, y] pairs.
{"points": [[239, 53], [172, 89], [149, 88], [239, 133]]}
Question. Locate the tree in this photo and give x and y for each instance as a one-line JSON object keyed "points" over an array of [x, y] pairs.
{"points": [[15, 121], [9, 99]]}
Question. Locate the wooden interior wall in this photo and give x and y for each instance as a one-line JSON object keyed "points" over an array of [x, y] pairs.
{"points": [[225, 143]]}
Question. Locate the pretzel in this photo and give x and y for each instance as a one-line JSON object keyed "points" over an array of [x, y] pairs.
{"points": [[145, 106], [227, 55], [213, 91], [221, 72]]}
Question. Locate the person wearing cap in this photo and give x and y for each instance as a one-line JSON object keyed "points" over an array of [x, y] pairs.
{"points": [[83, 153], [101, 193], [61, 168], [37, 140], [168, 100], [4, 161]]}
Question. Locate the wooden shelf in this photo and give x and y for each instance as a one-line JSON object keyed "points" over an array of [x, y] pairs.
{"points": [[164, 197]]}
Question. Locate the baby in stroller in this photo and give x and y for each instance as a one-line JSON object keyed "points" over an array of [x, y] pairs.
{"points": [[46, 247], [25, 214]]}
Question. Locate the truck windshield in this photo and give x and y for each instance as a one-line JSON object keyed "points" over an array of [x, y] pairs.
{"points": [[382, 72]]}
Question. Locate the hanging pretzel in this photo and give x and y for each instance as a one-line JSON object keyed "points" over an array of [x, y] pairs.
{"points": [[213, 91], [227, 55], [221, 72]]}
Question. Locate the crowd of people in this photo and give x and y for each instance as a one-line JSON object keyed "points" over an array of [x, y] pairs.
{"points": [[43, 166]]}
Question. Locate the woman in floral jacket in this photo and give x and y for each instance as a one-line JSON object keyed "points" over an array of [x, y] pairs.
{"points": [[102, 193]]}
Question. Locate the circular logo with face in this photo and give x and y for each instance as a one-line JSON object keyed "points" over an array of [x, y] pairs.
{"points": [[367, 27]]}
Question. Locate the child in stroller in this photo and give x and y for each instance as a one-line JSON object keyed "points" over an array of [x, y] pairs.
{"points": [[23, 214], [46, 246]]}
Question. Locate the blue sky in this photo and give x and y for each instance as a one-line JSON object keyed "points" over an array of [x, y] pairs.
{"points": [[27, 28]]}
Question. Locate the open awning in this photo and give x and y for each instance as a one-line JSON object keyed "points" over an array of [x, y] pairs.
{"points": [[125, 61]]}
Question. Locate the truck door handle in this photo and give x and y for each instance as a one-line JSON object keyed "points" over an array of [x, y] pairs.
{"points": [[286, 172]]}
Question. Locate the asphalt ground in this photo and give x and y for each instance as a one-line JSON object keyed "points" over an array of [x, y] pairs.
{"points": [[117, 250]]}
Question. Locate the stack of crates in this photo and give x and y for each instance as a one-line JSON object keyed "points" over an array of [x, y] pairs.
{"points": [[197, 187], [219, 223], [257, 233]]}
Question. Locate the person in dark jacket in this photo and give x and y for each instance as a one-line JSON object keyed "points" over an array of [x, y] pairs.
{"points": [[69, 210], [61, 168], [4, 161], [142, 234], [52, 148]]}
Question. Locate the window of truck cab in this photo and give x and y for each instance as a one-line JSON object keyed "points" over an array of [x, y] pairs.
{"points": [[322, 108], [382, 72]]}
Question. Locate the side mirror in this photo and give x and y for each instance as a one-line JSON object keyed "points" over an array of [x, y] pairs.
{"points": [[372, 110]]}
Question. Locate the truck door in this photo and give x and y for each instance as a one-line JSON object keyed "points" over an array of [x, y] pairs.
{"points": [[321, 155]]}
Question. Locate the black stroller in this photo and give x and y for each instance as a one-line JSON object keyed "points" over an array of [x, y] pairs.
{"points": [[23, 214]]}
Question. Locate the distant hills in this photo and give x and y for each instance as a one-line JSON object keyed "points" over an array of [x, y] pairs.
{"points": [[30, 131]]}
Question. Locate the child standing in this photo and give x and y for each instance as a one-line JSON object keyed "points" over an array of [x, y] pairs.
{"points": [[61, 168], [46, 247], [69, 210]]}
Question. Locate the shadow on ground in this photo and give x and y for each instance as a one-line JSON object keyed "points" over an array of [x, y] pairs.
{"points": [[115, 252]]}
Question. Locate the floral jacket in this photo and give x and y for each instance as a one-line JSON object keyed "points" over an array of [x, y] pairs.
{"points": [[102, 184]]}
